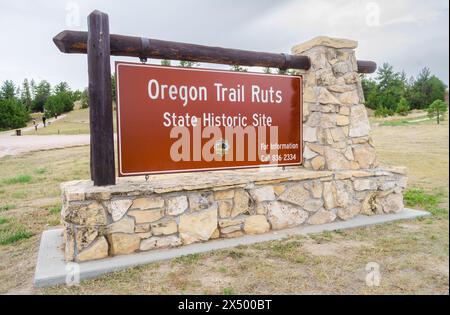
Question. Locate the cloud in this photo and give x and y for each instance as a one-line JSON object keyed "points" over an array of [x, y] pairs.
{"points": [[407, 33]]}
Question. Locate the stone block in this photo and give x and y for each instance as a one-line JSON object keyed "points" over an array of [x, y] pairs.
{"points": [[256, 224], [122, 244], [177, 205], [283, 215], [198, 226]]}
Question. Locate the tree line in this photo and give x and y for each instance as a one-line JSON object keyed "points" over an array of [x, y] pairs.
{"points": [[391, 92], [388, 93], [18, 102]]}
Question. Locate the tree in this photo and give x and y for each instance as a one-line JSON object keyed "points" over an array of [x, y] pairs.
{"points": [[286, 72], [188, 64], [437, 110], [64, 95], [33, 89], [425, 90], [76, 95], [26, 97], [238, 68], [402, 107], [62, 87], [370, 89], [13, 114], [8, 90], [390, 88], [267, 70], [54, 106], [165, 62], [84, 99], [42, 93]]}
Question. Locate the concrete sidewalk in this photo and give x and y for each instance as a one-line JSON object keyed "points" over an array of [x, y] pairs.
{"points": [[51, 268]]}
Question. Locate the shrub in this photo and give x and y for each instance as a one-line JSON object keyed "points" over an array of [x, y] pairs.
{"points": [[403, 107], [383, 112], [13, 114]]}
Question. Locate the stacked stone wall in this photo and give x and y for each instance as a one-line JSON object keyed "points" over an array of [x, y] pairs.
{"points": [[132, 217]]}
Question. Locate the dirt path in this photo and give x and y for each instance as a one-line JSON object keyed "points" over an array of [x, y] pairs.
{"points": [[30, 128], [13, 145]]}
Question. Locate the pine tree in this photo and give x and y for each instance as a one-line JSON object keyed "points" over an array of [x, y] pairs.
{"points": [[403, 107], [42, 93], [25, 96], [8, 90], [437, 110]]}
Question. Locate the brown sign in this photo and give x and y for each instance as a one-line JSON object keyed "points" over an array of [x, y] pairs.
{"points": [[173, 119]]}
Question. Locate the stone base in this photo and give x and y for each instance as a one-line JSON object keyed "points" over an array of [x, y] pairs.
{"points": [[51, 268], [180, 209]]}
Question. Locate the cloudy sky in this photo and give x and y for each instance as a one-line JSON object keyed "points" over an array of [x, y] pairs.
{"points": [[409, 34]]}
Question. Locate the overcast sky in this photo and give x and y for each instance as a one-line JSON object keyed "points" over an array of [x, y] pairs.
{"points": [[409, 34]]}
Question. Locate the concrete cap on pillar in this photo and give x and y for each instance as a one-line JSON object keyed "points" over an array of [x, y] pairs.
{"points": [[324, 41]]}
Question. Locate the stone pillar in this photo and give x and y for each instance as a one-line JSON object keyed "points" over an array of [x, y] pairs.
{"points": [[336, 127]]}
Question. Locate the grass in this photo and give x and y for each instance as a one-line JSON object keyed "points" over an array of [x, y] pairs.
{"points": [[398, 123], [12, 232], [74, 123], [418, 198], [228, 291], [413, 255], [11, 238], [188, 259], [19, 179], [19, 194], [55, 209], [7, 207], [40, 171]]}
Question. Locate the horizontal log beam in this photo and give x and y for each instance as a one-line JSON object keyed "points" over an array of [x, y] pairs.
{"points": [[366, 66], [75, 42]]}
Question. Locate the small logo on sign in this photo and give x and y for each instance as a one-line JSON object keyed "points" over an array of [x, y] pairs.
{"points": [[221, 147]]}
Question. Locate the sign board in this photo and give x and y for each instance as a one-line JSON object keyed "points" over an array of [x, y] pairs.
{"points": [[172, 119]]}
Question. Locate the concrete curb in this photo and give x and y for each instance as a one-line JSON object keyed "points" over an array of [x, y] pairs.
{"points": [[51, 268]]}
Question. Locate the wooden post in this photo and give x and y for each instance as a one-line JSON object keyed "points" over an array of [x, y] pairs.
{"points": [[100, 100]]}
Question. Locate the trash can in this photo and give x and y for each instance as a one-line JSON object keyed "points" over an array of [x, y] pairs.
{"points": [[18, 132]]}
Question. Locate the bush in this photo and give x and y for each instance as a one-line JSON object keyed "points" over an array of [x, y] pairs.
{"points": [[13, 114], [403, 107], [383, 112]]}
